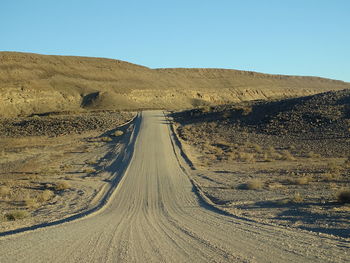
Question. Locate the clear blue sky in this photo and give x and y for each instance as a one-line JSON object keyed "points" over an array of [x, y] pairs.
{"points": [[299, 37]]}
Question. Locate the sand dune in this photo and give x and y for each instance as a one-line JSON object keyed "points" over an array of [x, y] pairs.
{"points": [[32, 83]]}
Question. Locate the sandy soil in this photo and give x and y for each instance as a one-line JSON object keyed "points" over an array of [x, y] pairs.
{"points": [[54, 176], [287, 168], [156, 215]]}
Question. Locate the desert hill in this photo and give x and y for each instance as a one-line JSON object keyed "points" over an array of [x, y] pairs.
{"points": [[33, 83]]}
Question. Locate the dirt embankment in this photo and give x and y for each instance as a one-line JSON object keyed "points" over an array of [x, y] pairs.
{"points": [[285, 161], [31, 83]]}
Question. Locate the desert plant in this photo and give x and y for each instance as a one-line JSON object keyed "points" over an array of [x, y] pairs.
{"points": [[4, 190], [257, 148], [301, 180], [106, 139], [89, 170], [287, 156], [91, 162], [334, 167], [31, 203], [343, 196], [311, 154], [266, 158], [330, 176], [17, 214], [118, 133], [297, 198], [254, 184], [62, 185], [277, 185], [45, 195], [246, 157]]}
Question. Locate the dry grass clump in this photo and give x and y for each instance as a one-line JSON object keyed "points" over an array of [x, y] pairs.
{"points": [[311, 154], [31, 203], [343, 196], [89, 170], [257, 148], [267, 158], [347, 162], [273, 186], [62, 185], [254, 184], [45, 196], [297, 198], [4, 191], [246, 157], [16, 215], [334, 167], [329, 176], [118, 133], [303, 180], [106, 139], [287, 156], [91, 162]]}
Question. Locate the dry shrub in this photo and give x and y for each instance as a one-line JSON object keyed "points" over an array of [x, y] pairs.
{"points": [[266, 158], [273, 186], [334, 167], [246, 157], [311, 154], [62, 185], [91, 162], [347, 162], [118, 133], [16, 215], [255, 184], [297, 198], [330, 176], [343, 196], [257, 148], [287, 156], [45, 196], [301, 180], [106, 139], [89, 170], [31, 203], [4, 191]]}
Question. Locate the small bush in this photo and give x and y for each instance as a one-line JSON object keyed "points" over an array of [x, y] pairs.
{"points": [[257, 148], [89, 170], [303, 180], [254, 184], [266, 158], [333, 167], [343, 196], [246, 157], [297, 198], [62, 185], [4, 191], [329, 176], [46, 195], [106, 139], [91, 162], [273, 186], [287, 156], [311, 154], [31, 203], [16, 215], [118, 133]]}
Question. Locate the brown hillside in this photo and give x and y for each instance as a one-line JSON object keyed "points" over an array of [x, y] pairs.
{"points": [[32, 83]]}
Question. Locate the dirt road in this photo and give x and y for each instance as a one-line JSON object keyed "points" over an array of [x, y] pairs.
{"points": [[155, 216]]}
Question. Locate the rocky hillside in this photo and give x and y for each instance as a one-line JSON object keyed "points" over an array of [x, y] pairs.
{"points": [[32, 83]]}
